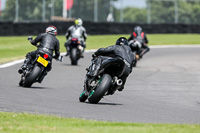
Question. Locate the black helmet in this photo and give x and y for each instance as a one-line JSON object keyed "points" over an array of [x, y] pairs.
{"points": [[138, 29], [121, 41]]}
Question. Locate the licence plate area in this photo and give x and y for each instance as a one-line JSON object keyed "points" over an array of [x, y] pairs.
{"points": [[42, 61]]}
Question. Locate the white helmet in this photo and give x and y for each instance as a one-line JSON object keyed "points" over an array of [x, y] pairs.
{"points": [[51, 30], [78, 22]]}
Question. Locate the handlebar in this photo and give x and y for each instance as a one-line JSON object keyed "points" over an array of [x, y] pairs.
{"points": [[60, 58]]}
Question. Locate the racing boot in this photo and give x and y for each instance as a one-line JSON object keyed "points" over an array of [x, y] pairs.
{"points": [[67, 53], [24, 66], [67, 49], [82, 56]]}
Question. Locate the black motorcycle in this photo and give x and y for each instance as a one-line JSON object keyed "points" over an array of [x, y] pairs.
{"points": [[75, 50], [102, 78], [136, 48], [35, 69]]}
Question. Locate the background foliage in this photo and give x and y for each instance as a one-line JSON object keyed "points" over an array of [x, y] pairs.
{"points": [[161, 11]]}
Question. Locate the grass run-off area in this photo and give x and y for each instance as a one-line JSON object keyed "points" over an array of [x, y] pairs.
{"points": [[32, 123], [16, 47]]}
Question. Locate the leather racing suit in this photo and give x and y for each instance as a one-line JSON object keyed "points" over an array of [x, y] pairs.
{"points": [[48, 44], [75, 31], [142, 38], [122, 52]]}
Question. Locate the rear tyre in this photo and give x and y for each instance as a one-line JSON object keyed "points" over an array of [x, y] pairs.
{"points": [[83, 97], [73, 56], [36, 72], [135, 63], [101, 89]]}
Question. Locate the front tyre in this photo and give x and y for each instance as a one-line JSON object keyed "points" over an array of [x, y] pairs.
{"points": [[102, 88], [21, 82], [73, 56], [36, 72]]}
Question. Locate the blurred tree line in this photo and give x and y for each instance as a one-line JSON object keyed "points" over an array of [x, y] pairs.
{"points": [[160, 11], [31, 10], [164, 11]]}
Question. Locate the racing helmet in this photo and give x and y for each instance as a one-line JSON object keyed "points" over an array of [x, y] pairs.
{"points": [[51, 30], [121, 41], [78, 22], [138, 29]]}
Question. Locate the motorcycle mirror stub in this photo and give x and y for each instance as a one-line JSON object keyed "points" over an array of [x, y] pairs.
{"points": [[60, 58]]}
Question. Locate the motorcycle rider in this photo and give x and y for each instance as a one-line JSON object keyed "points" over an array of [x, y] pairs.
{"points": [[48, 44], [122, 51], [141, 37], [76, 31]]}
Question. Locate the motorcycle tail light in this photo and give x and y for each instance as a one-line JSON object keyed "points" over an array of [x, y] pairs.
{"points": [[46, 56], [74, 39]]}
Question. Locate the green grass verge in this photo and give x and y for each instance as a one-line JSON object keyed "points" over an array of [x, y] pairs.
{"points": [[30, 123], [12, 48]]}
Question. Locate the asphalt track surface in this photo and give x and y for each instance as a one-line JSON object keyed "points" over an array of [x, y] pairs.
{"points": [[163, 88]]}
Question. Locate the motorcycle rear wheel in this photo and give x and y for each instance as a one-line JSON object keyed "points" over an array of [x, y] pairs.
{"points": [[101, 89], [73, 56], [36, 72]]}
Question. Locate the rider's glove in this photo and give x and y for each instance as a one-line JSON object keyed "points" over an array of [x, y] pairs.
{"points": [[30, 38], [94, 55]]}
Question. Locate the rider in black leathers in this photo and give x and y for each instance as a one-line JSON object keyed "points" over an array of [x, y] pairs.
{"points": [[48, 44], [120, 50], [141, 37]]}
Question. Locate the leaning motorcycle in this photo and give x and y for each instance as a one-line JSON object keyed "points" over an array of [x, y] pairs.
{"points": [[136, 48], [75, 50], [102, 78], [35, 69]]}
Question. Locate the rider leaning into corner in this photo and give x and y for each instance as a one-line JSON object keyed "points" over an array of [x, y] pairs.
{"points": [[119, 50], [141, 37], [76, 31], [48, 44]]}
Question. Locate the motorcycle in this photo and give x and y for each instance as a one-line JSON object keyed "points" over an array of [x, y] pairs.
{"points": [[136, 48], [35, 69], [102, 78], [75, 50]]}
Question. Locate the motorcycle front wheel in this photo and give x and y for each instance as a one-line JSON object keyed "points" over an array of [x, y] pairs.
{"points": [[97, 94], [83, 97]]}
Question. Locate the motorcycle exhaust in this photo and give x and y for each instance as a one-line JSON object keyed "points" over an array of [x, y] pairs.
{"points": [[119, 82]]}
